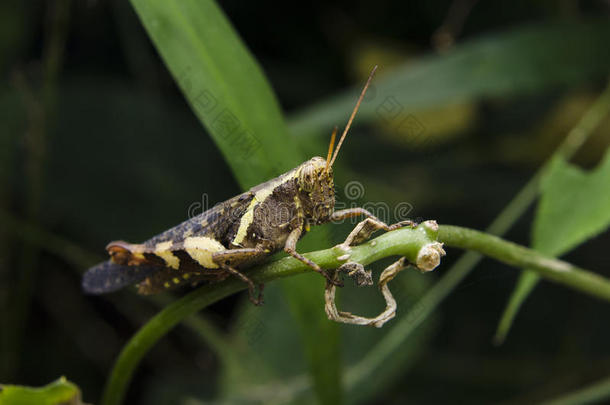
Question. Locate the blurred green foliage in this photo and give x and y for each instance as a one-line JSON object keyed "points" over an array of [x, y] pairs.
{"points": [[126, 158], [519, 61]]}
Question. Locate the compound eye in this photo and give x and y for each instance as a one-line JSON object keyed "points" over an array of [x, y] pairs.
{"points": [[306, 178]]}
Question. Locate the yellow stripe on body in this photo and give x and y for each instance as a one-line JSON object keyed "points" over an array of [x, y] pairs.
{"points": [[163, 250], [201, 249], [137, 252], [260, 196], [139, 255]]}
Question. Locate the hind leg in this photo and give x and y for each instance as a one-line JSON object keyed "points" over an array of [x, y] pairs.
{"points": [[229, 259]]}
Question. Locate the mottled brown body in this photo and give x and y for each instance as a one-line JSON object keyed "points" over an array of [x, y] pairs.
{"points": [[233, 235]]}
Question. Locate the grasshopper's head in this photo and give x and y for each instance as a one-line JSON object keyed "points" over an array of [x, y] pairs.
{"points": [[316, 189], [315, 177]]}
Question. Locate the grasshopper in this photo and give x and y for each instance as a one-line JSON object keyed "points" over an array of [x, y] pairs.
{"points": [[238, 233]]}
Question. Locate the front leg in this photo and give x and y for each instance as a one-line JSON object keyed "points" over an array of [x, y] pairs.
{"points": [[365, 228], [291, 248]]}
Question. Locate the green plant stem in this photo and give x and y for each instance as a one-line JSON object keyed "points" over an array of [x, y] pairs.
{"points": [[516, 255], [402, 242]]}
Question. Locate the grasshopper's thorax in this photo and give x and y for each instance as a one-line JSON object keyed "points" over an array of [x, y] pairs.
{"points": [[316, 190]]}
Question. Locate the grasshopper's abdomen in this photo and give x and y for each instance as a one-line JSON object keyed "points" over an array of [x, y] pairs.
{"points": [[108, 277]]}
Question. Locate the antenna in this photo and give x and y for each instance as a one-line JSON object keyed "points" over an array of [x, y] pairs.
{"points": [[330, 147], [351, 118]]}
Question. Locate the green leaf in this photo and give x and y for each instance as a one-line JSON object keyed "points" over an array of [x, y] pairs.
{"points": [[228, 92], [59, 392], [223, 84], [523, 60], [574, 207]]}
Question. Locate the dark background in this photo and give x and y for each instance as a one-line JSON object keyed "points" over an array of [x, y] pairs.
{"points": [[98, 144]]}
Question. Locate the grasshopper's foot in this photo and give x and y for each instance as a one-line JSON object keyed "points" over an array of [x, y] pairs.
{"points": [[259, 297], [357, 273], [401, 224], [256, 299]]}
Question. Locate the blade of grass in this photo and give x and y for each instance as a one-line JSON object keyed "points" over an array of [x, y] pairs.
{"points": [[228, 92], [592, 394], [223, 84]]}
